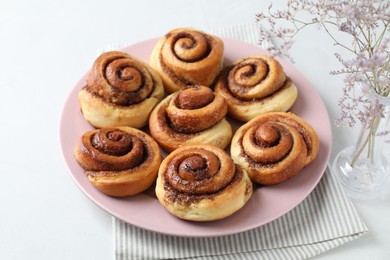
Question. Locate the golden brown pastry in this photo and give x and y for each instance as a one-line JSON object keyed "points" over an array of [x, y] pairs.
{"points": [[274, 147], [194, 115], [201, 183], [186, 56], [119, 161], [120, 91], [256, 85]]}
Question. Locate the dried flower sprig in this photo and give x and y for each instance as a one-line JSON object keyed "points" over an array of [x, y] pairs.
{"points": [[367, 23]]}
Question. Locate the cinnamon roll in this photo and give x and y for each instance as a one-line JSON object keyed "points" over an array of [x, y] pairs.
{"points": [[194, 115], [256, 85], [119, 161], [201, 183], [274, 147], [186, 56], [120, 91]]}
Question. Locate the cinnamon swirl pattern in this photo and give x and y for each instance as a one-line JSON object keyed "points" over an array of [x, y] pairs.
{"points": [[120, 161], [274, 147], [201, 183], [120, 91], [194, 115], [256, 85], [186, 56]]}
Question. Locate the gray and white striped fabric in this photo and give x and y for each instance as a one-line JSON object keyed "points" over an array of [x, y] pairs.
{"points": [[324, 220]]}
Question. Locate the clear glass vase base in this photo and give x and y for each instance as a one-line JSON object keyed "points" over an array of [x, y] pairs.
{"points": [[364, 180]]}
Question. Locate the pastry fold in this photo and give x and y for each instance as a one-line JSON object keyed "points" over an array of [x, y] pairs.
{"points": [[194, 115], [256, 85], [274, 147], [120, 91], [186, 56], [201, 183], [119, 161]]}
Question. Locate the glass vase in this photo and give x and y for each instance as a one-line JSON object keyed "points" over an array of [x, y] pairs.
{"points": [[363, 168]]}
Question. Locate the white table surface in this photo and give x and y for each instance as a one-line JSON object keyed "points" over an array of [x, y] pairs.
{"points": [[45, 48]]}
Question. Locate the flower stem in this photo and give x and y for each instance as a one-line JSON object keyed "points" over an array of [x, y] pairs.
{"points": [[370, 141], [359, 152]]}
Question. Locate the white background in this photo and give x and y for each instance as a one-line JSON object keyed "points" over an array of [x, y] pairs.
{"points": [[45, 47]]}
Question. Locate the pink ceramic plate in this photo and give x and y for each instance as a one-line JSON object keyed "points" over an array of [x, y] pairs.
{"points": [[266, 204]]}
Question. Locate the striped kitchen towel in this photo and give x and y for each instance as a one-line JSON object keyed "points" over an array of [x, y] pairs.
{"points": [[324, 220]]}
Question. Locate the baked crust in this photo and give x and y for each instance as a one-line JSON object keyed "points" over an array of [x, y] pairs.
{"points": [[120, 91], [185, 56], [201, 183], [256, 85], [194, 115], [274, 147], [120, 161]]}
